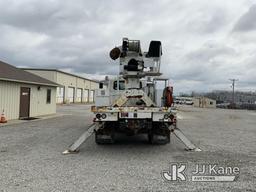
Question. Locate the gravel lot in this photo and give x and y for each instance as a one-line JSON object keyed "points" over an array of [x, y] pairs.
{"points": [[31, 159]]}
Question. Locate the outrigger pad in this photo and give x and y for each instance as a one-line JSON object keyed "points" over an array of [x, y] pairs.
{"points": [[66, 152]]}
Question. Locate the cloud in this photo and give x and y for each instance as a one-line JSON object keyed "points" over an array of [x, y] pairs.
{"points": [[205, 63], [204, 42], [247, 21]]}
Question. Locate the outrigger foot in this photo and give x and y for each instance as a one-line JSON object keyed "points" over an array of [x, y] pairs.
{"points": [[74, 147], [181, 136]]}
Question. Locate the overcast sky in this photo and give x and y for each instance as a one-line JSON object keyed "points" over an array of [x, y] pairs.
{"points": [[204, 42]]}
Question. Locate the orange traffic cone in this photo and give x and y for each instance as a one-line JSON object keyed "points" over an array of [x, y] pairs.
{"points": [[3, 119]]}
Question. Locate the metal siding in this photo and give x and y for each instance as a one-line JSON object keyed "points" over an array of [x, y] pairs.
{"points": [[38, 105], [10, 99], [196, 102], [87, 84], [204, 102], [67, 81], [80, 82], [50, 75], [94, 85], [77, 83]]}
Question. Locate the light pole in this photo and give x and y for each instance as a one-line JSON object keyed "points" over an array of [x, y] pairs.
{"points": [[233, 90]]}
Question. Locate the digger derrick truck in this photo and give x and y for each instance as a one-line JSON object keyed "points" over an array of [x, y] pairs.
{"points": [[129, 104]]}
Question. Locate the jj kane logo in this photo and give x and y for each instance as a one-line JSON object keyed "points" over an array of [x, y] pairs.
{"points": [[176, 172], [200, 172]]}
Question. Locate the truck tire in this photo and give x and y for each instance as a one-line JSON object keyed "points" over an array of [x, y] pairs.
{"points": [[158, 139], [101, 139]]}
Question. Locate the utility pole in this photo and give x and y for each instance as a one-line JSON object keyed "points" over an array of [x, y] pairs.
{"points": [[233, 90]]}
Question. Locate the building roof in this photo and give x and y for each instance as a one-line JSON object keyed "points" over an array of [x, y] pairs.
{"points": [[57, 70], [11, 73]]}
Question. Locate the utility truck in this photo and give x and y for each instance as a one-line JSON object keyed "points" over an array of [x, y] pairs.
{"points": [[130, 104]]}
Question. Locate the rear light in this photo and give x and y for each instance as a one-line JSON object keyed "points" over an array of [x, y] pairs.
{"points": [[93, 108], [166, 116], [98, 116], [171, 116], [103, 116], [124, 114]]}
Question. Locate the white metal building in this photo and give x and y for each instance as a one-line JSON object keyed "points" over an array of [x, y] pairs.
{"points": [[24, 95], [204, 102], [72, 89]]}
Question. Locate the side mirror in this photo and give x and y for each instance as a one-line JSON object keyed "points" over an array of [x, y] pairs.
{"points": [[101, 85]]}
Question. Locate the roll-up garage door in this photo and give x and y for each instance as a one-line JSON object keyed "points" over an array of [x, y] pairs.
{"points": [[91, 99], [60, 95], [71, 91], [86, 95], [79, 95]]}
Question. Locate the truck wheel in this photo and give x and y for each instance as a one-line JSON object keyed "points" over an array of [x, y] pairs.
{"points": [[158, 139], [150, 138]]}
